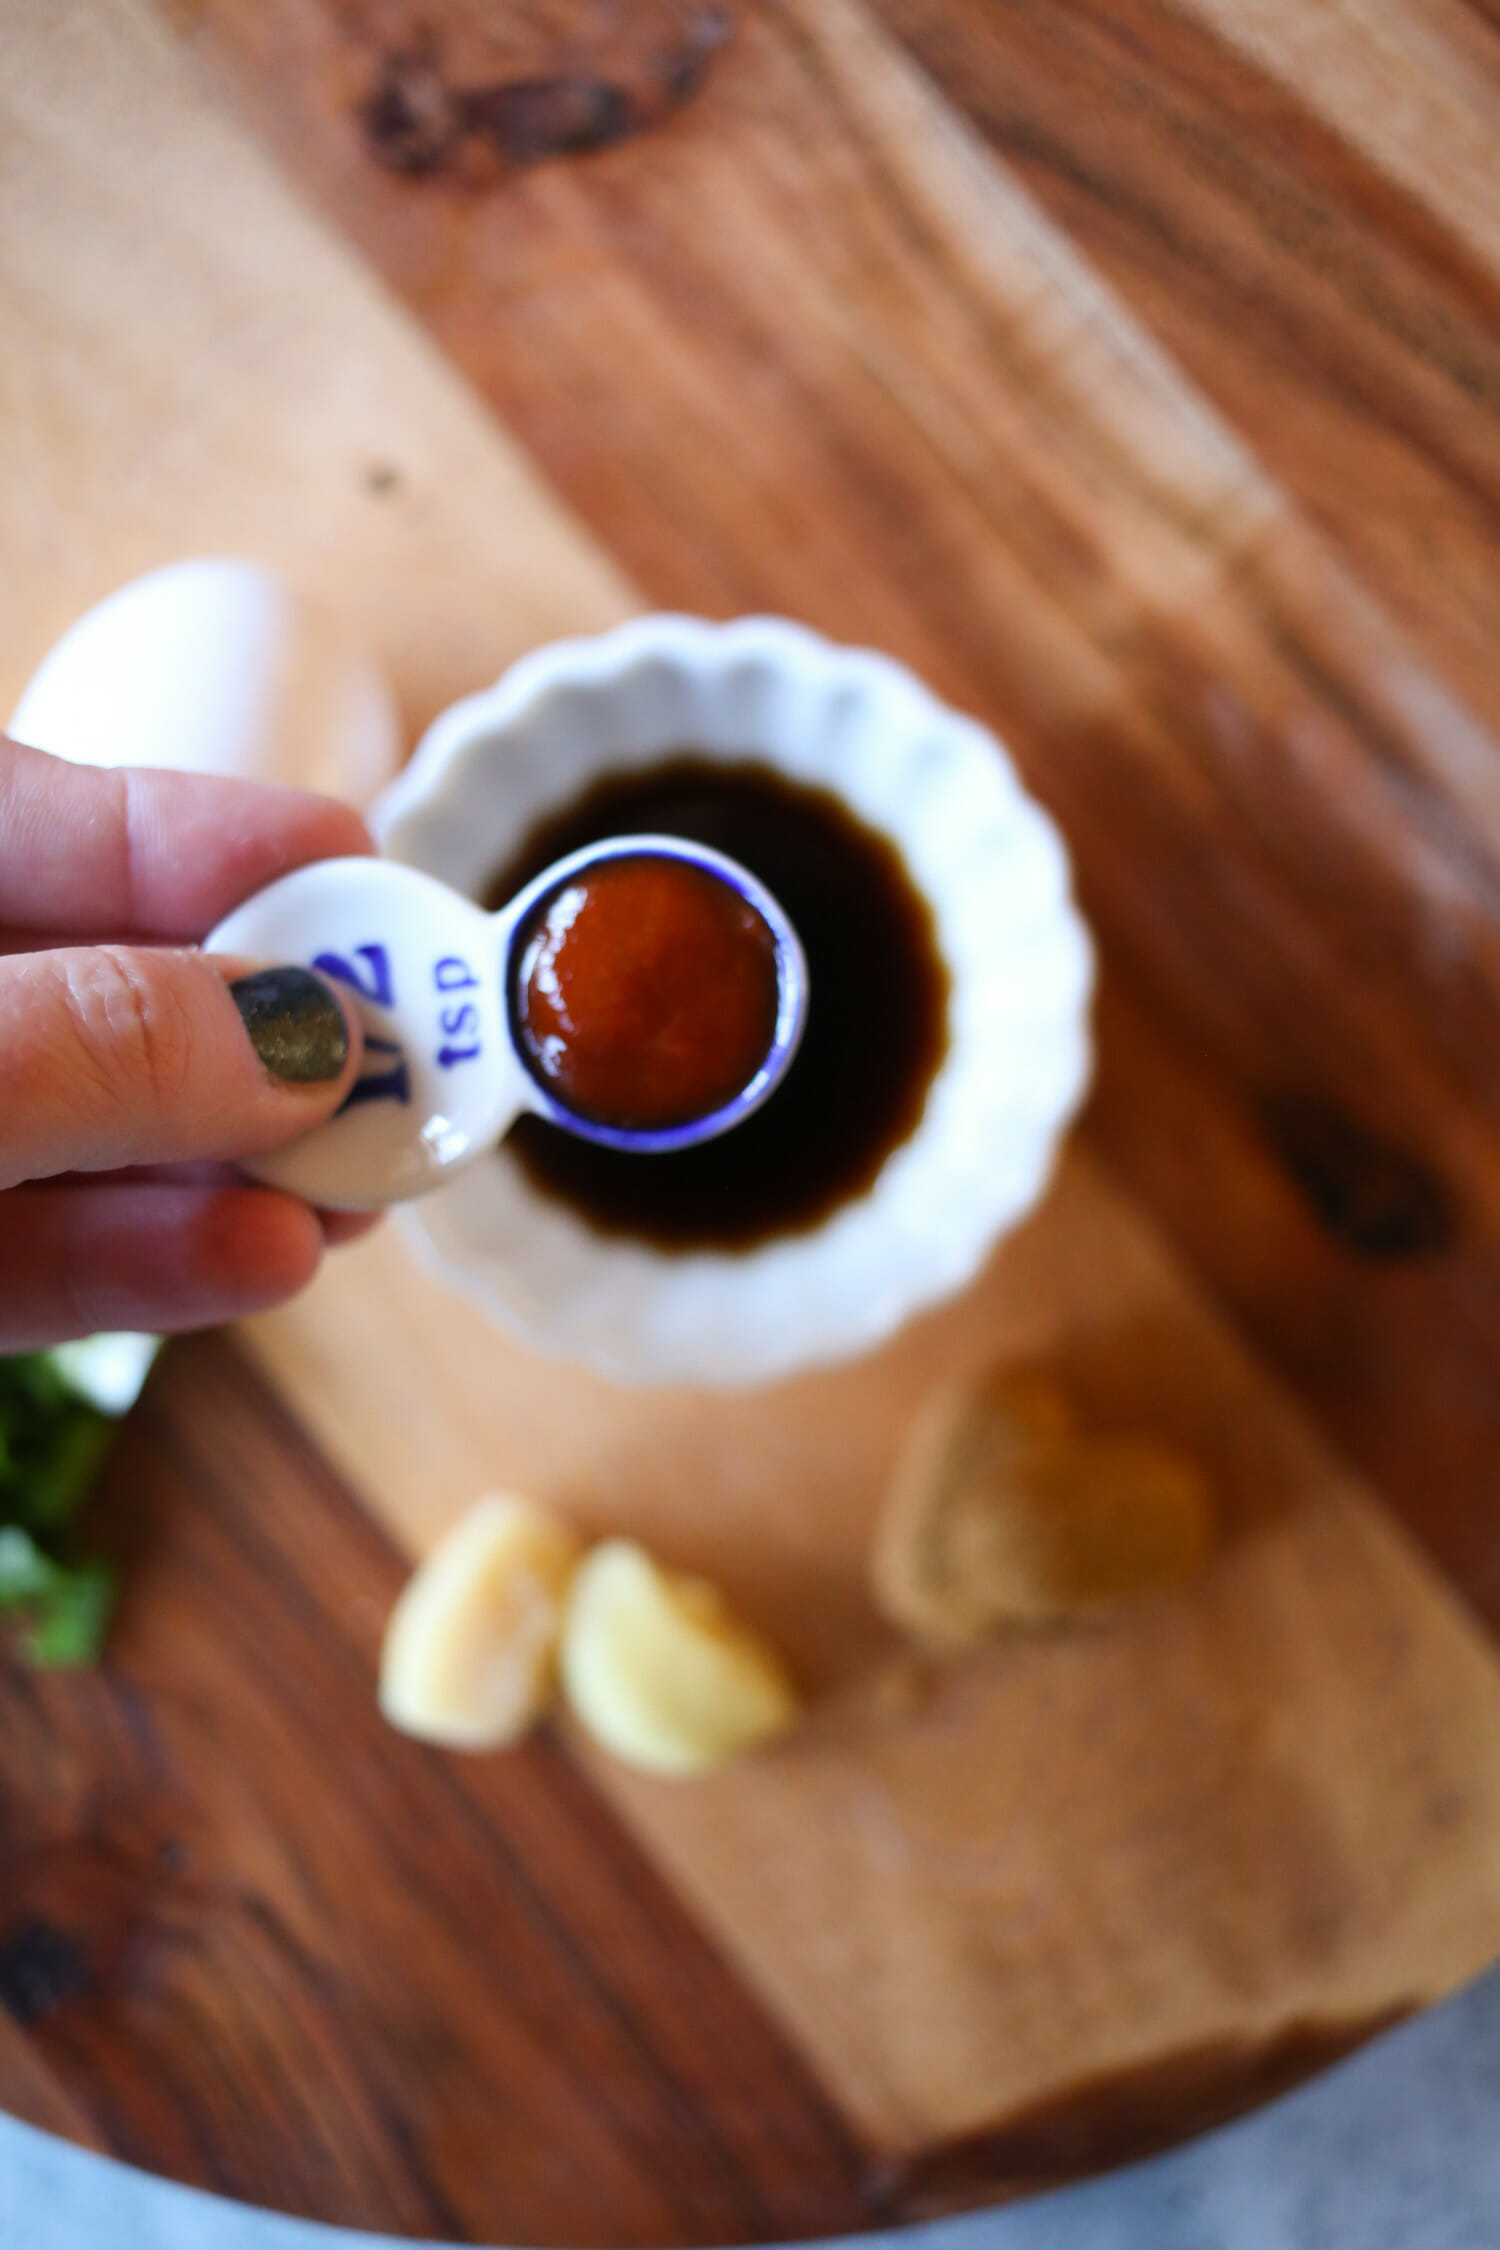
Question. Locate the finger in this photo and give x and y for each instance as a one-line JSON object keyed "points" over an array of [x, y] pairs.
{"points": [[116, 1055], [94, 852], [340, 1227], [205, 1174], [78, 1259]]}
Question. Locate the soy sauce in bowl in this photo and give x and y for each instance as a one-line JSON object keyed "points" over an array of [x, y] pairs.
{"points": [[876, 1028]]}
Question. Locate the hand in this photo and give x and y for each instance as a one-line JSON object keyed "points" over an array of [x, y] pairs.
{"points": [[124, 1054]]}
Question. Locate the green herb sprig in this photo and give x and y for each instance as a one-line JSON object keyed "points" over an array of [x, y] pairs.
{"points": [[53, 1437]]}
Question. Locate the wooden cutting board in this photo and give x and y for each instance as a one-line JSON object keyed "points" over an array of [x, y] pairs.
{"points": [[807, 344]]}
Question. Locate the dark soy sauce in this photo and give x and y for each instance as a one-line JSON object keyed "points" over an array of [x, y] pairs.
{"points": [[876, 1025]]}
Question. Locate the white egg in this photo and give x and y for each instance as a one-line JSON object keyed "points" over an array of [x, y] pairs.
{"points": [[215, 666]]}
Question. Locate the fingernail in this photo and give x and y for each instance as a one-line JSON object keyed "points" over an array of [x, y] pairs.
{"points": [[296, 1026]]}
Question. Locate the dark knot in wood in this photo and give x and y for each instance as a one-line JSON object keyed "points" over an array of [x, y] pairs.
{"points": [[40, 1968], [417, 120], [1374, 1196]]}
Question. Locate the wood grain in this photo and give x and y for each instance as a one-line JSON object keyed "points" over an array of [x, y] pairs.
{"points": [[1414, 83], [871, 383], [202, 1967], [271, 405], [950, 1886], [799, 340], [249, 1937], [1310, 290]]}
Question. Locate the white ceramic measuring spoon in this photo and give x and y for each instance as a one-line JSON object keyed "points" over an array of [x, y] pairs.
{"points": [[433, 978]]}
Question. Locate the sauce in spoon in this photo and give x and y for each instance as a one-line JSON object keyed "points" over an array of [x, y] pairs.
{"points": [[646, 993]]}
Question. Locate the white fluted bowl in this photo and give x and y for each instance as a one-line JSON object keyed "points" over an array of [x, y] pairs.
{"points": [[995, 873]]}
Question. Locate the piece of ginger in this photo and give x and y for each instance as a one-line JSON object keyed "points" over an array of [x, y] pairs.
{"points": [[1001, 1514]]}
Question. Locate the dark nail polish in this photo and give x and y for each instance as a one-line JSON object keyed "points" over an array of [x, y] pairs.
{"points": [[296, 1026]]}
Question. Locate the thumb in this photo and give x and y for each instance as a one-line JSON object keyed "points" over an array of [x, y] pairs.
{"points": [[116, 1054]]}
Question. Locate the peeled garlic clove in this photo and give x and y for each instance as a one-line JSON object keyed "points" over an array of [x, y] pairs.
{"points": [[660, 1672], [1001, 1515], [470, 1651], [215, 666]]}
